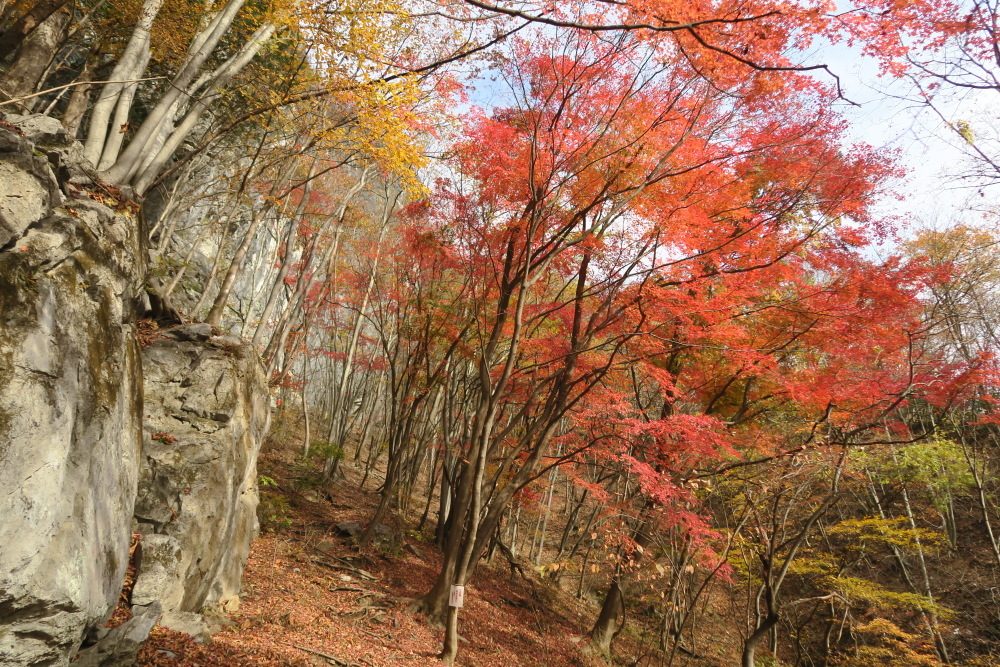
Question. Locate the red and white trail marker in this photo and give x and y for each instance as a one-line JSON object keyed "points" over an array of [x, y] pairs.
{"points": [[457, 597]]}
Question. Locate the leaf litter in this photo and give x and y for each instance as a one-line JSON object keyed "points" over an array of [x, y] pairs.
{"points": [[311, 598]]}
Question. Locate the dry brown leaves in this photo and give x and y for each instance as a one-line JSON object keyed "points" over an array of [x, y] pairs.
{"points": [[309, 598]]}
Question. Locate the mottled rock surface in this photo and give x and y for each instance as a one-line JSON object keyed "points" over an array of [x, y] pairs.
{"points": [[70, 398], [120, 646], [206, 414]]}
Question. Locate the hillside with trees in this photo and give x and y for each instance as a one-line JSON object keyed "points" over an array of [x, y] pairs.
{"points": [[587, 337]]}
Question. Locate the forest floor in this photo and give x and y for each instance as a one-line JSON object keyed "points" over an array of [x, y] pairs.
{"points": [[310, 597]]}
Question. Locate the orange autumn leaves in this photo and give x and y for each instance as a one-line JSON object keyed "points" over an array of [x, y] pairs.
{"points": [[664, 217]]}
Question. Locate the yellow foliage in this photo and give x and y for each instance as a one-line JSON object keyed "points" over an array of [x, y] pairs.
{"points": [[332, 56], [973, 252], [175, 26], [870, 531], [887, 645], [964, 128], [813, 563], [982, 661], [864, 590]]}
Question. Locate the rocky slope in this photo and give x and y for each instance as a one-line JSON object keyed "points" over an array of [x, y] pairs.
{"points": [[86, 460], [70, 398]]}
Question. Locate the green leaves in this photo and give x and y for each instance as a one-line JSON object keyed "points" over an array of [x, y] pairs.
{"points": [[937, 464]]}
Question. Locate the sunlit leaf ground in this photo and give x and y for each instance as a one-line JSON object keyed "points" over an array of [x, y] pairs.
{"points": [[311, 598]]}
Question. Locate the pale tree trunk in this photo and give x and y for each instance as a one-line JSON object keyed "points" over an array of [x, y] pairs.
{"points": [[279, 282], [365, 430], [930, 617], [200, 49], [544, 519], [166, 223], [185, 262], [339, 412], [25, 26], [306, 437], [210, 280], [131, 65], [500, 500], [119, 122], [469, 533], [33, 57], [200, 105], [251, 171], [971, 459], [218, 307], [297, 303], [432, 480], [78, 102], [448, 468], [286, 260], [283, 328]]}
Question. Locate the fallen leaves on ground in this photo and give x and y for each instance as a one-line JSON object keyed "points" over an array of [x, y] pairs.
{"points": [[310, 598]]}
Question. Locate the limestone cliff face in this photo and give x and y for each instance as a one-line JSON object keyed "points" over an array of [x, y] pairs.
{"points": [[70, 398], [77, 438], [206, 415]]}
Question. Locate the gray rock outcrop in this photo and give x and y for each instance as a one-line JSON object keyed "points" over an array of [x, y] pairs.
{"points": [[70, 398], [120, 646], [206, 414]]}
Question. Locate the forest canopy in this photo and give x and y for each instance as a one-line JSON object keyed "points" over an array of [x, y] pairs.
{"points": [[604, 287]]}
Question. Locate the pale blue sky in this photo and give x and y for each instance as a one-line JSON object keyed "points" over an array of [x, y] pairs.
{"points": [[931, 152], [933, 195]]}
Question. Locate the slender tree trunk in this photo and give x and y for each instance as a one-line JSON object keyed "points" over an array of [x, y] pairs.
{"points": [[307, 436], [164, 233], [340, 411], [131, 65], [929, 617], [583, 571], [432, 478], [219, 305], [33, 57], [574, 516], [210, 280], [545, 517], [78, 102], [753, 641], [286, 259], [151, 168], [32, 20], [773, 574], [301, 288], [448, 467], [123, 109], [286, 264], [185, 263], [200, 49], [364, 435], [977, 479]]}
